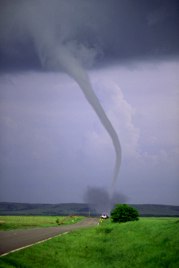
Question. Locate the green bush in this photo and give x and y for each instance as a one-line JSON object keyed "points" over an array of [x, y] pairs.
{"points": [[124, 213]]}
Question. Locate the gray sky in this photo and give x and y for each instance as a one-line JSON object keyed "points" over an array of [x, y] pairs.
{"points": [[52, 144]]}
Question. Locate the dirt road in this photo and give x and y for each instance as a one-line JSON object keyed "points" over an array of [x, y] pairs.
{"points": [[15, 239]]}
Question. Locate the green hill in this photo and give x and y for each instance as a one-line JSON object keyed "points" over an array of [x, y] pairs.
{"points": [[8, 208]]}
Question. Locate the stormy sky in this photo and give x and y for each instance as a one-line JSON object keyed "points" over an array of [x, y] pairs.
{"points": [[53, 146]]}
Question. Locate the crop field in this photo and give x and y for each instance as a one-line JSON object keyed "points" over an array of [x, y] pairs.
{"points": [[22, 222], [149, 242]]}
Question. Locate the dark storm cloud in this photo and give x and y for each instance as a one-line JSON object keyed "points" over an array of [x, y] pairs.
{"points": [[94, 31]]}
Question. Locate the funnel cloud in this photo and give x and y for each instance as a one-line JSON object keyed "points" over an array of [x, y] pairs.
{"points": [[73, 68]]}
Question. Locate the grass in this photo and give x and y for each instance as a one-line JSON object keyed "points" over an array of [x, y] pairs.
{"points": [[23, 222], [149, 242]]}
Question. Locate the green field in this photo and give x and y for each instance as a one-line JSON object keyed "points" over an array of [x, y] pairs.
{"points": [[149, 242], [22, 222]]}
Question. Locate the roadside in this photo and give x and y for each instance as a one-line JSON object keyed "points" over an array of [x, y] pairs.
{"points": [[16, 239]]}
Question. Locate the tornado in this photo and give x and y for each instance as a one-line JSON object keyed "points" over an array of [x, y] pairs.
{"points": [[74, 69], [52, 33], [61, 57]]}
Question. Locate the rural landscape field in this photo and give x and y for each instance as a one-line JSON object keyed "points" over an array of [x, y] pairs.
{"points": [[21, 222], [149, 242]]}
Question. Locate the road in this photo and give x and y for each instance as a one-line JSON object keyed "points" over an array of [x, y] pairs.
{"points": [[16, 239]]}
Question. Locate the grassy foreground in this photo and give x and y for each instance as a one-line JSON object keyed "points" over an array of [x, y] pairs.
{"points": [[22, 222], [149, 242]]}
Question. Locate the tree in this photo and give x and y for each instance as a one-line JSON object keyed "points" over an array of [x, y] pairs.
{"points": [[124, 213]]}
